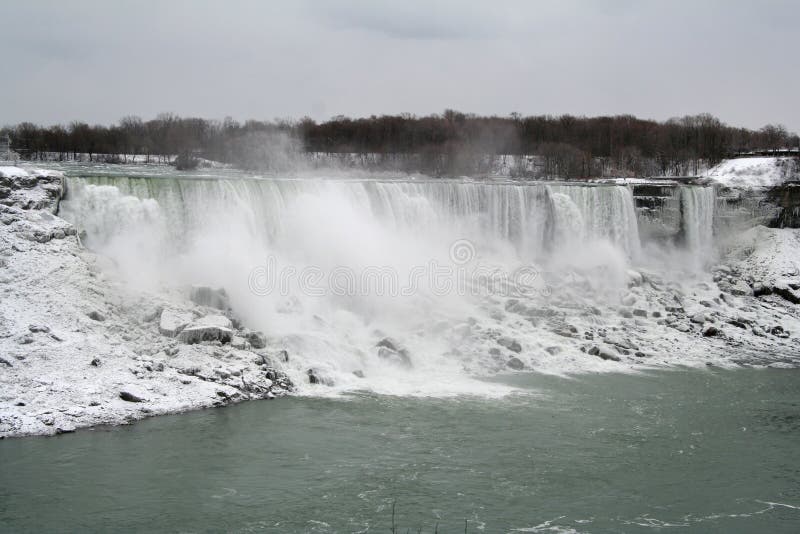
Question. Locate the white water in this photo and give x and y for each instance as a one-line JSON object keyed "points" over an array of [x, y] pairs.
{"points": [[697, 205], [305, 237]]}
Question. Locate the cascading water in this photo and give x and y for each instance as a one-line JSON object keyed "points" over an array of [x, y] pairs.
{"points": [[396, 234], [697, 219]]}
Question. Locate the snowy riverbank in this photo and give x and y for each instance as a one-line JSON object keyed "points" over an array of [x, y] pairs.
{"points": [[78, 349]]}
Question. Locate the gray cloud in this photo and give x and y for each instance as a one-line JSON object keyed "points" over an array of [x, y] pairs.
{"points": [[98, 61]]}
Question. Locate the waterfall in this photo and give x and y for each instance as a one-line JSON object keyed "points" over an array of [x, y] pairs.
{"points": [[301, 232], [697, 219]]}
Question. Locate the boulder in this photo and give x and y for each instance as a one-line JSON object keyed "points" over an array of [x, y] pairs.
{"points": [[130, 397], [711, 331], [515, 363], [210, 297], [96, 316], [172, 322], [257, 340], [209, 328], [511, 344], [699, 318]]}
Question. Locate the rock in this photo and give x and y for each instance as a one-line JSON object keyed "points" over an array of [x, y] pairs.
{"points": [[740, 289], [760, 290], [171, 351], [209, 328], [511, 344], [153, 314], [130, 397], [171, 322], [391, 351], [27, 339], [283, 355], [711, 331], [359, 373], [626, 313], [515, 363], [95, 362], [36, 329], [257, 340], [699, 318], [211, 297], [96, 316], [315, 377], [239, 343], [640, 313], [737, 323], [635, 278], [58, 234], [604, 353], [656, 314], [778, 331], [5, 362], [758, 331], [553, 350], [787, 294]]}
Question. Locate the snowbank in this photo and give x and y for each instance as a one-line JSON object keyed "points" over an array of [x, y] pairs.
{"points": [[78, 348], [749, 173]]}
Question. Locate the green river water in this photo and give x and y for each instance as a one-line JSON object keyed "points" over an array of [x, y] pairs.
{"points": [[675, 451]]}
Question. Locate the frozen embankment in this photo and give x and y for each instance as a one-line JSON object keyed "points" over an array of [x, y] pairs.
{"points": [[78, 349]]}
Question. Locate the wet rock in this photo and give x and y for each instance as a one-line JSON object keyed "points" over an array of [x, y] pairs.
{"points": [[95, 362], [208, 328], [210, 297], [711, 331], [316, 377], [130, 397], [640, 313], [737, 323], [96, 316], [389, 350], [5, 362], [171, 322], [511, 344], [656, 314], [515, 363], [604, 353], [36, 329]]}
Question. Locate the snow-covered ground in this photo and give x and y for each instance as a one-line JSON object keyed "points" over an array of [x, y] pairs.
{"points": [[749, 173], [79, 347]]}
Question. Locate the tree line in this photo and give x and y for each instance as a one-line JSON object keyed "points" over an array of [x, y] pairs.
{"points": [[447, 143]]}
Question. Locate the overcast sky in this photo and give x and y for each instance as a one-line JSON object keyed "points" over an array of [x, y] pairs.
{"points": [[99, 60]]}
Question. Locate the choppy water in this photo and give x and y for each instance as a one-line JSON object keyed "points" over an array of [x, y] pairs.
{"points": [[683, 451]]}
